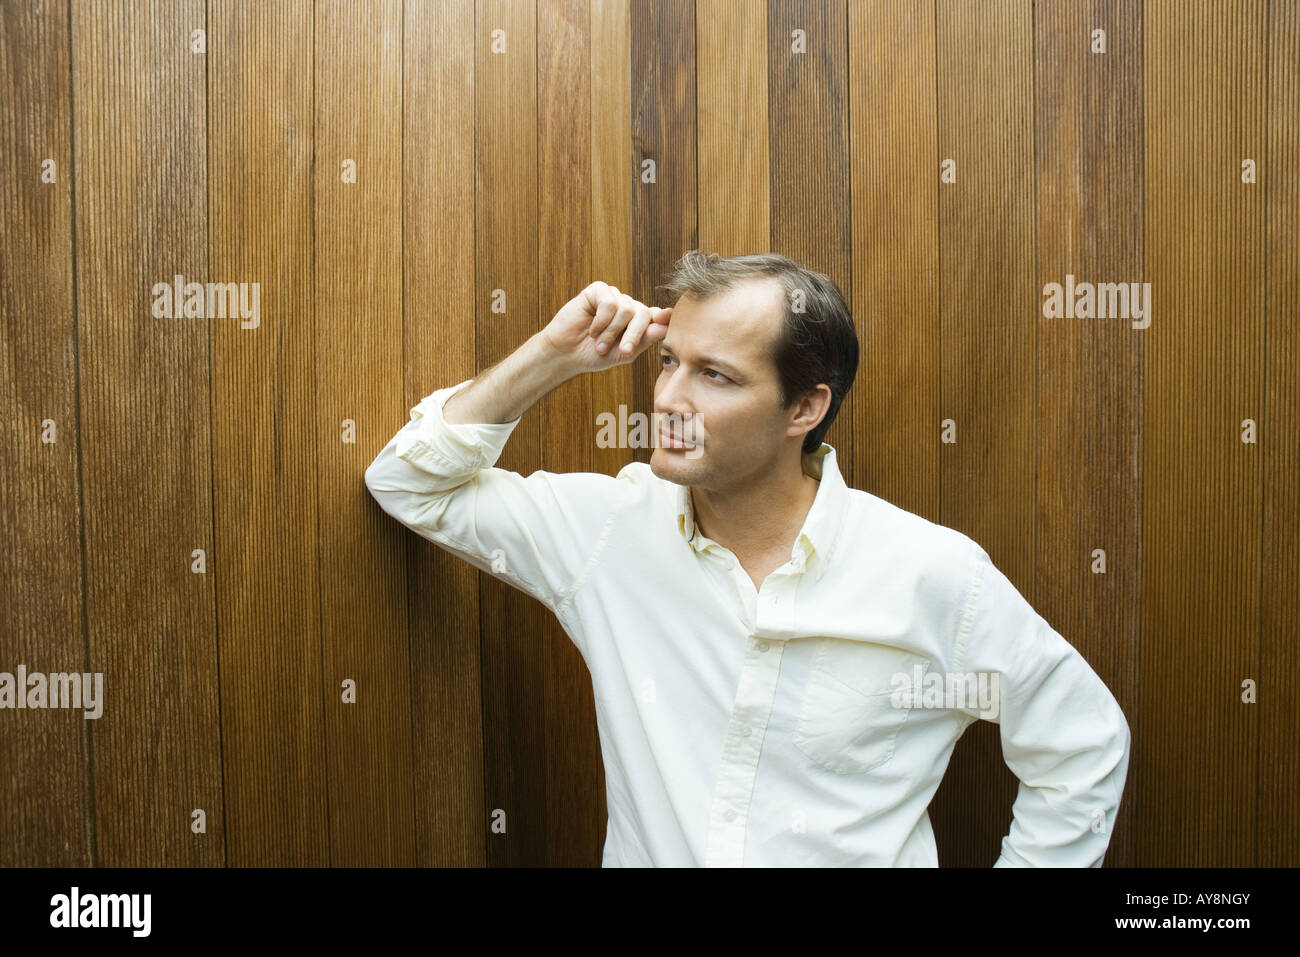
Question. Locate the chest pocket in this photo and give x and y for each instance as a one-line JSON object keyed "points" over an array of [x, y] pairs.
{"points": [[847, 720]]}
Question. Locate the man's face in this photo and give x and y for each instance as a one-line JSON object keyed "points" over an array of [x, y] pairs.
{"points": [[718, 388]]}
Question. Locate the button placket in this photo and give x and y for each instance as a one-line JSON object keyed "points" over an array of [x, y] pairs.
{"points": [[776, 601], [740, 751]]}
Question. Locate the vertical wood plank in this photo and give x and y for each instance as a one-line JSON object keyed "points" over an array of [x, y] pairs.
{"points": [[45, 790], [615, 176], [438, 310], [575, 798], [264, 462], [808, 102], [139, 141], [1202, 491], [1278, 823], [664, 218], [988, 306], [1088, 117], [895, 249], [358, 345], [731, 76], [506, 221]]}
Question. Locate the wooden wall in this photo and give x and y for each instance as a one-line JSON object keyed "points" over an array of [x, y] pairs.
{"points": [[183, 504]]}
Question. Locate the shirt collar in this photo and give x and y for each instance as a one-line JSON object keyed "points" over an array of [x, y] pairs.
{"points": [[817, 537]]}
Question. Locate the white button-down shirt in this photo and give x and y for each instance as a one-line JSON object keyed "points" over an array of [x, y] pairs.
{"points": [[806, 723]]}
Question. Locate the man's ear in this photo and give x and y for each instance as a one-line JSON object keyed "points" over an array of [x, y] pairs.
{"points": [[816, 403]]}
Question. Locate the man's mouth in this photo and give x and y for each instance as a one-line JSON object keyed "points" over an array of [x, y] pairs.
{"points": [[669, 441]]}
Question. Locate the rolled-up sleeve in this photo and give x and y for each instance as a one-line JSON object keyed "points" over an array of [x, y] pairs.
{"points": [[439, 479], [1063, 733]]}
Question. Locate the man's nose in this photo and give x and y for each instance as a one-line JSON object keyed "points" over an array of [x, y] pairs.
{"points": [[674, 412], [671, 397]]}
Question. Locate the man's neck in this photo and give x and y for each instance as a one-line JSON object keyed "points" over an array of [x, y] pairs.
{"points": [[758, 520]]}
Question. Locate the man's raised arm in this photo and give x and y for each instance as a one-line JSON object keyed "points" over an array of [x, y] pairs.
{"points": [[437, 475]]}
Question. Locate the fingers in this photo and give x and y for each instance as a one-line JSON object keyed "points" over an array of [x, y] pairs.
{"points": [[635, 330], [608, 302], [659, 328], [620, 317], [627, 315], [651, 330], [614, 316]]}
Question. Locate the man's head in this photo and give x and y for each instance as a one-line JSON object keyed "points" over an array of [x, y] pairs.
{"points": [[759, 354]]}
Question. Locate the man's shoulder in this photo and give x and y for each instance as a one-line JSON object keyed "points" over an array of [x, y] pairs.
{"points": [[639, 483], [941, 547], [632, 483]]}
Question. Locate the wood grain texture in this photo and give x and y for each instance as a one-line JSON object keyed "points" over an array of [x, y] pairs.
{"points": [[437, 307], [664, 133], [1277, 826], [139, 140], [263, 461], [732, 122], [1202, 485], [895, 234], [614, 178], [987, 320], [808, 105], [45, 790], [1088, 173], [506, 271], [358, 299]]}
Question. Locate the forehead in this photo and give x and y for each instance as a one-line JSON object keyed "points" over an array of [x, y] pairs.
{"points": [[737, 326]]}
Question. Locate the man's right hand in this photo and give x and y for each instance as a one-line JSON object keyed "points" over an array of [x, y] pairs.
{"points": [[601, 317]]}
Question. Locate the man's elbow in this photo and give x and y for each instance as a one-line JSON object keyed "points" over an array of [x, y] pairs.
{"points": [[1109, 759], [1118, 749], [1124, 740], [395, 502], [380, 487], [414, 498]]}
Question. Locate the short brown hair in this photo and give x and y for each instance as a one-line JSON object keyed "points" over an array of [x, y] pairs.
{"points": [[816, 344]]}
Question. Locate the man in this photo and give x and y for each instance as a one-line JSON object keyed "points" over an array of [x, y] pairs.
{"points": [[781, 664]]}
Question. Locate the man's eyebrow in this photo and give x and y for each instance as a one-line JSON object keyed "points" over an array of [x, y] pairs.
{"points": [[706, 360]]}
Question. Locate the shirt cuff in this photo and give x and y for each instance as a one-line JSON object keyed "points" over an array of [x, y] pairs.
{"points": [[432, 443]]}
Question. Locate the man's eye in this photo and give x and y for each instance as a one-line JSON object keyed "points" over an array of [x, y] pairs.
{"points": [[664, 360]]}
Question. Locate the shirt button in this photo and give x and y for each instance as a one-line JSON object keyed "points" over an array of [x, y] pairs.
{"points": [[729, 814], [763, 646]]}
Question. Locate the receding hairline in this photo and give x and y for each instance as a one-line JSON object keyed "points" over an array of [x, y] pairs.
{"points": [[781, 311], [730, 284]]}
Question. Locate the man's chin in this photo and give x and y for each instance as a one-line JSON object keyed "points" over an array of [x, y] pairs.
{"points": [[675, 465]]}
